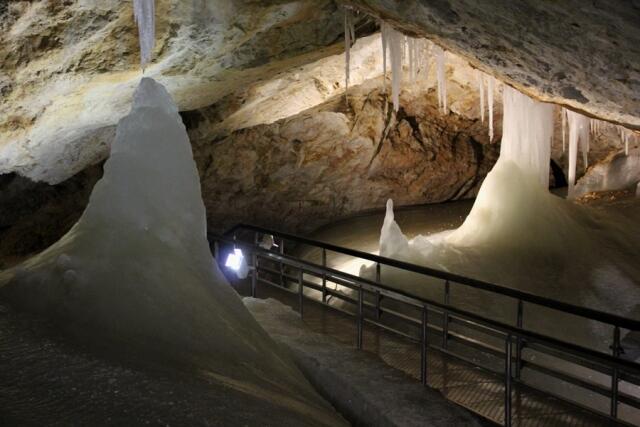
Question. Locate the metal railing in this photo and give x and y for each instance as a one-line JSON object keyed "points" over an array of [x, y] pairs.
{"points": [[368, 309]]}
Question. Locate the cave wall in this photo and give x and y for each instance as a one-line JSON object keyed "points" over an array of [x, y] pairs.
{"points": [[338, 160], [261, 90], [582, 54]]}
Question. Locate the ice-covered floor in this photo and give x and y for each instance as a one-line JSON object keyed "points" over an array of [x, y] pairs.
{"points": [[608, 291], [47, 380]]}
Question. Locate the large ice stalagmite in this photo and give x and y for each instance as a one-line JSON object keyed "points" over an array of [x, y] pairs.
{"points": [[519, 233], [515, 191], [136, 270]]}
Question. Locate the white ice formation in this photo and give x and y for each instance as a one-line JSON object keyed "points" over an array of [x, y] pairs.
{"points": [[490, 88], [516, 225], [480, 77], [401, 49], [439, 57], [144, 12], [619, 171], [395, 42], [136, 269], [579, 133]]}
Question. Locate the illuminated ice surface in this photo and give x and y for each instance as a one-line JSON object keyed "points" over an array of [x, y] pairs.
{"points": [[136, 273], [519, 235]]}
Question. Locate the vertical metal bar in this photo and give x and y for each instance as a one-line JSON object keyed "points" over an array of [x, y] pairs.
{"points": [[507, 382], [281, 263], [360, 316], [216, 251], [423, 355], [445, 316], [378, 299], [300, 292], [324, 276], [614, 373], [519, 340]]}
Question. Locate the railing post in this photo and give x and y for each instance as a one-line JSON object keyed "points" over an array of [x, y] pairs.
{"points": [[614, 373], [324, 276], [445, 316], [360, 316], [378, 299], [281, 263], [300, 292], [423, 355], [507, 382], [519, 340], [254, 261]]}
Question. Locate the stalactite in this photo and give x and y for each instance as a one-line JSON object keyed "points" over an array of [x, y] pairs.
{"points": [[144, 12], [396, 42], [480, 81], [579, 128], [384, 32], [438, 54], [563, 114], [490, 89]]}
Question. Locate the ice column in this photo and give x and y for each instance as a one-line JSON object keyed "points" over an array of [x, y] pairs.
{"points": [[144, 12], [527, 132], [579, 128]]}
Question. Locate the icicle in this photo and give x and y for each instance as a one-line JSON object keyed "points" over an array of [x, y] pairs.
{"points": [[348, 35], [411, 47], [442, 79], [384, 30], [527, 132], [563, 113], [144, 12], [579, 127], [490, 88], [396, 47], [426, 47], [481, 89], [625, 137]]}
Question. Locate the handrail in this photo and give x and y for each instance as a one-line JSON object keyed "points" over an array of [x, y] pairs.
{"points": [[597, 356], [584, 312]]}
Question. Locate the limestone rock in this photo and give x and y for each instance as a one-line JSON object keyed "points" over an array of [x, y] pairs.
{"points": [[585, 55]]}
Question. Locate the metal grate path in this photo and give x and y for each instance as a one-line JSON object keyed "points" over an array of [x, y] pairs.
{"points": [[474, 388]]}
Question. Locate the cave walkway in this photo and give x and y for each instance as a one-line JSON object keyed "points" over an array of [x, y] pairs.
{"points": [[462, 355]]}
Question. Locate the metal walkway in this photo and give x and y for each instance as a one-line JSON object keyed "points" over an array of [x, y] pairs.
{"points": [[456, 352]]}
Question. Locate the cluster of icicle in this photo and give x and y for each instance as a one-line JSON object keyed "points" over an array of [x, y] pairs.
{"points": [[579, 129], [399, 49], [488, 81], [416, 53], [144, 12]]}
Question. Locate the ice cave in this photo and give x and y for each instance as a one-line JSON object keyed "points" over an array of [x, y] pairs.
{"points": [[319, 213]]}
